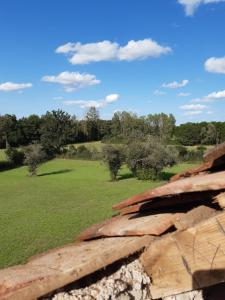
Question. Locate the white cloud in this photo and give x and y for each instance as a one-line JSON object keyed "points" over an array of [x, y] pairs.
{"points": [[96, 103], [215, 65], [183, 94], [193, 107], [109, 51], [112, 98], [175, 84], [72, 80], [193, 112], [159, 93], [220, 95], [217, 95], [190, 6], [141, 49], [10, 86]]}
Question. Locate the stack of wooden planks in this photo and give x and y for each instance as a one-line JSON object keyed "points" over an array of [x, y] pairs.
{"points": [[179, 228]]}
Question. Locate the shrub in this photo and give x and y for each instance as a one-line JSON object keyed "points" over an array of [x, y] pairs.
{"points": [[15, 157], [83, 152], [34, 156], [146, 160], [113, 157]]}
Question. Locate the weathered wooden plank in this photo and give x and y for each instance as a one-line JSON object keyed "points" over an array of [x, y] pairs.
{"points": [[194, 216], [209, 182], [131, 225], [188, 260], [58, 267], [193, 171], [215, 153]]}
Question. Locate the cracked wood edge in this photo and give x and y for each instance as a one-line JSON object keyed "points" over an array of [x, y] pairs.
{"points": [[187, 260]]}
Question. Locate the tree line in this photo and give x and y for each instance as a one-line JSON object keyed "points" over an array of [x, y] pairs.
{"points": [[57, 128]]}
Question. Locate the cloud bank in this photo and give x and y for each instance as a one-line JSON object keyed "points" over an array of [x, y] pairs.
{"points": [[108, 51]]}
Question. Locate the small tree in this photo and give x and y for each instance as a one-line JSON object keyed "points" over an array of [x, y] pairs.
{"points": [[113, 158], [34, 156], [147, 159]]}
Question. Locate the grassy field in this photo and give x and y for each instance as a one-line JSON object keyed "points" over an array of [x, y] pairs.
{"points": [[50, 210], [2, 155]]}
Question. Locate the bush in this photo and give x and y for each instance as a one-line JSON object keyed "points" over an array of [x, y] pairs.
{"points": [[194, 155], [15, 157], [113, 157], [146, 160], [34, 156]]}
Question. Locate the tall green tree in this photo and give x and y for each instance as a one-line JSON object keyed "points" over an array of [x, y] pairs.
{"points": [[8, 130], [92, 124], [55, 131]]}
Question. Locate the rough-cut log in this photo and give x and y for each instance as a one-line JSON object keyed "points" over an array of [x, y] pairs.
{"points": [[215, 153], [59, 267], [220, 199], [131, 225], [194, 216], [187, 260], [215, 181], [176, 203]]}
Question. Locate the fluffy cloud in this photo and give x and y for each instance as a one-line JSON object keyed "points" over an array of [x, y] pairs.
{"points": [[220, 95], [193, 107], [10, 86], [215, 65], [72, 80], [109, 51], [183, 94], [190, 6], [96, 103], [175, 84]]}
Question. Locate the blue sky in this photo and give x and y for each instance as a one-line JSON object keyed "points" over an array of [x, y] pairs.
{"points": [[145, 56]]}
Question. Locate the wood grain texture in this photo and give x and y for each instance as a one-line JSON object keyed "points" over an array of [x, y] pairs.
{"points": [[188, 260], [131, 225], [59, 267]]}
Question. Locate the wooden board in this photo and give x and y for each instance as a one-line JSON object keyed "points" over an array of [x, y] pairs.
{"points": [[215, 153], [187, 260], [130, 225], [59, 267], [209, 182], [193, 171]]}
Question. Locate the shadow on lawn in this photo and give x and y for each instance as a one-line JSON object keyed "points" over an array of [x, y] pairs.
{"points": [[166, 175], [125, 176], [55, 172]]}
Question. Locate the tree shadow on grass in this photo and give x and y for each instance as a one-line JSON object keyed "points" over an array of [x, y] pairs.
{"points": [[55, 172], [6, 165], [125, 176], [166, 175]]}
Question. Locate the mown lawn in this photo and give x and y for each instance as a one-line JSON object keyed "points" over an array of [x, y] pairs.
{"points": [[50, 210], [2, 155]]}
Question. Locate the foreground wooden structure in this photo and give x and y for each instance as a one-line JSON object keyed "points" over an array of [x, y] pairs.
{"points": [[178, 230]]}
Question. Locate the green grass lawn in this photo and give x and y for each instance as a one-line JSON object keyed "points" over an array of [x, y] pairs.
{"points": [[2, 155], [50, 210]]}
